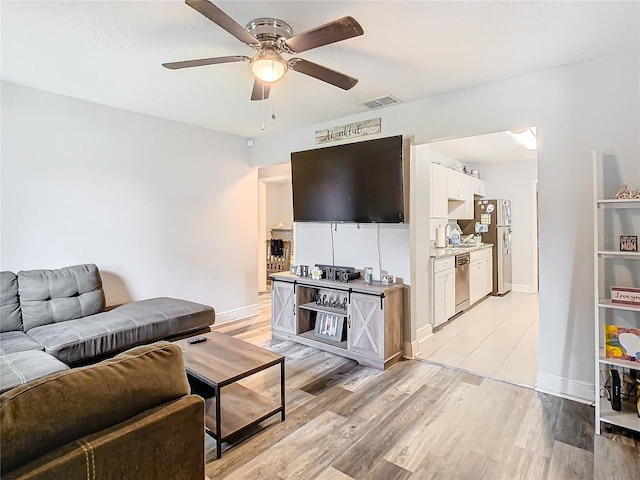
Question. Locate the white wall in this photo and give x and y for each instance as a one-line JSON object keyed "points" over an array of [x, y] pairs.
{"points": [[592, 105], [163, 208], [279, 206], [355, 246], [513, 181]]}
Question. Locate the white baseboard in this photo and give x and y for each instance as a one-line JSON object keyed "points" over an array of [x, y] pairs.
{"points": [[237, 314], [517, 287], [583, 392]]}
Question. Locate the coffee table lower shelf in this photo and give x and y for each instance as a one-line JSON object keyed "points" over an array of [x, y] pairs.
{"points": [[240, 408]]}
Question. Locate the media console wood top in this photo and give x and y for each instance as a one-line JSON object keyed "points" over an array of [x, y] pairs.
{"points": [[358, 285]]}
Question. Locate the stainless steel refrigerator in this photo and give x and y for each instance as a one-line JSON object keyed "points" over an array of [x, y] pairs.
{"points": [[493, 221]]}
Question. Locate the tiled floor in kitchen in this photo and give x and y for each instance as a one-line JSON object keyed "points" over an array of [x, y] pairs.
{"points": [[496, 338]]}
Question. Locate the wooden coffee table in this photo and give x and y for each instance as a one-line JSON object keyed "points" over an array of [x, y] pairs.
{"points": [[219, 363]]}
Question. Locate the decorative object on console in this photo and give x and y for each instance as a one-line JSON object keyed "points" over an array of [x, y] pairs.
{"points": [[625, 295], [331, 327], [622, 342], [628, 243], [625, 194], [368, 274], [317, 273], [387, 279], [339, 274]]}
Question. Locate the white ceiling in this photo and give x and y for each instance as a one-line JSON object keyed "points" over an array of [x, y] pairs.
{"points": [[489, 148], [111, 53]]}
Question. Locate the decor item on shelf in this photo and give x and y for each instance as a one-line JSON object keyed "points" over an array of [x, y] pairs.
{"points": [[368, 274], [387, 279], [624, 193], [317, 273], [616, 399], [625, 295], [331, 327], [622, 342], [628, 243], [339, 274], [293, 269]]}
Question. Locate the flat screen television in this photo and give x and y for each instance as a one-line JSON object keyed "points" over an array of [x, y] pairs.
{"points": [[359, 182]]}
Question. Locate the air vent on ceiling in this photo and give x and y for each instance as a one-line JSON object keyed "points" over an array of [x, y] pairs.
{"points": [[380, 101]]}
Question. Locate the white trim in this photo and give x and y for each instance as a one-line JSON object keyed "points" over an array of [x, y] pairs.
{"points": [[536, 241], [517, 287], [423, 333], [583, 392], [262, 235], [237, 314]]}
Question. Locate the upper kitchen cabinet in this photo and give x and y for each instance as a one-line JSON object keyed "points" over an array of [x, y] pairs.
{"points": [[458, 186], [478, 187], [438, 191], [461, 191]]}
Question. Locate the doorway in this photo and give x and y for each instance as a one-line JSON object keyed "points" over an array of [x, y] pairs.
{"points": [[276, 234], [497, 337]]}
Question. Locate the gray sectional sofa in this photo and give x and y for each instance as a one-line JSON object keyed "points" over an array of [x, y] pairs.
{"points": [[53, 319]]}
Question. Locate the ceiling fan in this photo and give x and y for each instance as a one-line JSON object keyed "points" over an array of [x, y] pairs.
{"points": [[270, 38]]}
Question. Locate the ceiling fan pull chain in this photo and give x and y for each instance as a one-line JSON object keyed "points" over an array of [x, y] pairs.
{"points": [[273, 107], [262, 108]]}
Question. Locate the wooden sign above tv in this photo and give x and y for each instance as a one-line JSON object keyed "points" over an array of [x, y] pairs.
{"points": [[352, 130]]}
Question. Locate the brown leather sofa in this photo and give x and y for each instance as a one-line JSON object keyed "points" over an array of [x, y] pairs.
{"points": [[129, 417]]}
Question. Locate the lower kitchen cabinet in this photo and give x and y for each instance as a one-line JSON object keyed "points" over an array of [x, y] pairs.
{"points": [[444, 295], [480, 275]]}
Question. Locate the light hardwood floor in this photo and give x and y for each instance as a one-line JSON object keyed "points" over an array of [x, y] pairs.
{"points": [[497, 338], [415, 421]]}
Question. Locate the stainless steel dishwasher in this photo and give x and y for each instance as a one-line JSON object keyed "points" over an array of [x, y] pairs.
{"points": [[462, 282]]}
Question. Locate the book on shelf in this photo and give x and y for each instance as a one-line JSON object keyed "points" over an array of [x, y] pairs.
{"points": [[625, 296], [622, 342]]}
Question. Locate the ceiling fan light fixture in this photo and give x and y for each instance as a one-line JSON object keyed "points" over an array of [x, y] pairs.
{"points": [[268, 66]]}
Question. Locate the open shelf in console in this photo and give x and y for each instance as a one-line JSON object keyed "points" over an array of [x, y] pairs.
{"points": [[320, 308], [309, 313]]}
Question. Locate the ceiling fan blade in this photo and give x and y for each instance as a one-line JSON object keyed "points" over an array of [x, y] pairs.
{"points": [[323, 73], [204, 61], [223, 20], [336, 31], [257, 93]]}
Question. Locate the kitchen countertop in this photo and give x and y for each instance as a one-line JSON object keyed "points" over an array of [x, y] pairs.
{"points": [[453, 251]]}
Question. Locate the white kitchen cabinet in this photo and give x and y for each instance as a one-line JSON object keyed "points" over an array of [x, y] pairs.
{"points": [[438, 191], [478, 187], [458, 186], [444, 293], [480, 275]]}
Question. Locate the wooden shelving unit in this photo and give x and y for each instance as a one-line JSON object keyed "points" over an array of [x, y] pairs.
{"points": [[604, 278], [374, 317]]}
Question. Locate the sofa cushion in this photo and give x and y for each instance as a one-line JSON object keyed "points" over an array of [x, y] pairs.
{"points": [[60, 408], [10, 313], [125, 326], [50, 296], [22, 367], [12, 342]]}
